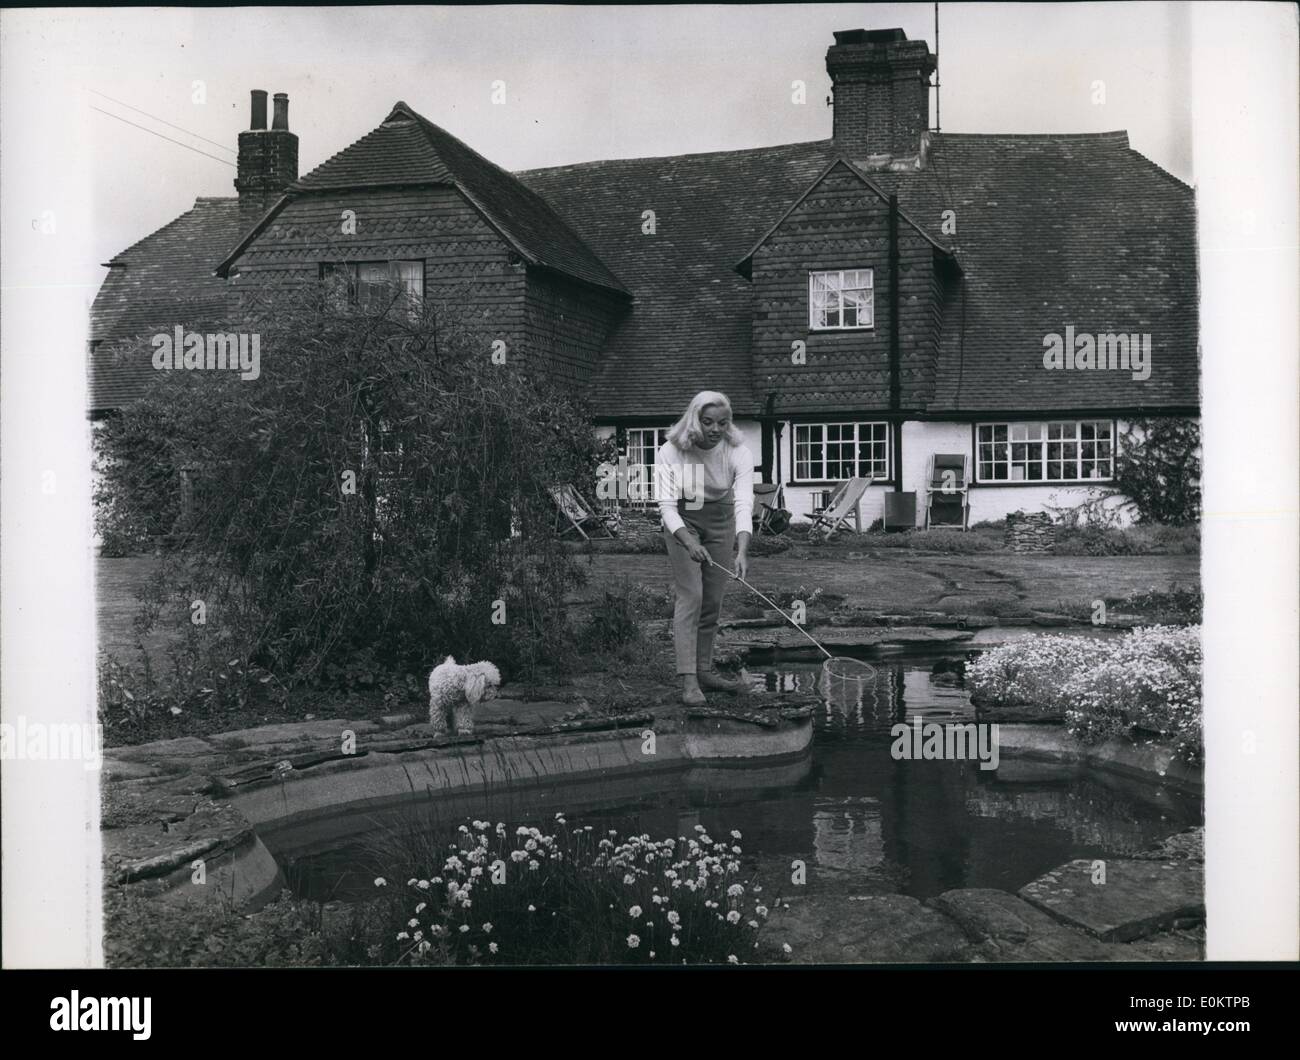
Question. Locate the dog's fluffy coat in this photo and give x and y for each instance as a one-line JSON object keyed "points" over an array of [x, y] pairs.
{"points": [[455, 690]]}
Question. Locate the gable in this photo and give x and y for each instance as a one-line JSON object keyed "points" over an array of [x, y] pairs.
{"points": [[409, 151], [842, 224]]}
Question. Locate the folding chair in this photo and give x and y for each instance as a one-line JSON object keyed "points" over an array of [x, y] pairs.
{"points": [[767, 503], [578, 512], [845, 501], [947, 491]]}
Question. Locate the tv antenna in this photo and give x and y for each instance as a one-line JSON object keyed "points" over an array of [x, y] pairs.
{"points": [[937, 125]]}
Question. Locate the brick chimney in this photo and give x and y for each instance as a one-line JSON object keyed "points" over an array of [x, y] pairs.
{"points": [[268, 158], [881, 85]]}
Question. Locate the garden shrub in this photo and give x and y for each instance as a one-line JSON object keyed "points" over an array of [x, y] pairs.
{"points": [[1145, 683], [1158, 468], [362, 507]]}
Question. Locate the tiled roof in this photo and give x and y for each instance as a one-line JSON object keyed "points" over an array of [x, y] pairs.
{"points": [[1052, 230], [409, 149], [163, 280], [689, 327]]}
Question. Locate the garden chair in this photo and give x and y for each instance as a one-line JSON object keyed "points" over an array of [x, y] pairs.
{"points": [[580, 515], [947, 491], [770, 516], [844, 502]]}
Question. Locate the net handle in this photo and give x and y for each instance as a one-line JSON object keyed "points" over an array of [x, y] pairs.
{"points": [[792, 622]]}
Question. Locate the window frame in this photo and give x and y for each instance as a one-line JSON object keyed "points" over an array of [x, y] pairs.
{"points": [[352, 271], [660, 434], [1012, 452], [870, 302], [885, 428]]}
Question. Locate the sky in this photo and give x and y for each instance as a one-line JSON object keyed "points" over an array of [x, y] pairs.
{"points": [[581, 83]]}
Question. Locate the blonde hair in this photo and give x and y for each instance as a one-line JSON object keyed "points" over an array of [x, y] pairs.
{"points": [[687, 432]]}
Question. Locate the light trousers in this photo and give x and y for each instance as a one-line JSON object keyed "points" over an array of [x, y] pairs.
{"points": [[700, 586]]}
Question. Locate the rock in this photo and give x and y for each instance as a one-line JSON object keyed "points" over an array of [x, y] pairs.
{"points": [[1007, 928], [1016, 713], [1029, 532], [1140, 897], [869, 929], [1189, 845], [789, 639]]}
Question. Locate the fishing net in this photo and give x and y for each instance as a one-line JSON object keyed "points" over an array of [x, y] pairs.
{"points": [[845, 681]]}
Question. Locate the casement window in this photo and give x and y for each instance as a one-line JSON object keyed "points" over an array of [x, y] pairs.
{"points": [[642, 445], [1054, 451], [828, 452], [841, 299], [371, 285]]}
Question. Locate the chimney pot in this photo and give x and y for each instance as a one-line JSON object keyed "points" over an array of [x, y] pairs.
{"points": [[281, 117], [258, 120]]}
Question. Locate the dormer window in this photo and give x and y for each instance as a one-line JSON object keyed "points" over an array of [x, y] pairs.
{"points": [[841, 299]]}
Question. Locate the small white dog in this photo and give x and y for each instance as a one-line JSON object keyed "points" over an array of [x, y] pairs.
{"points": [[455, 690]]}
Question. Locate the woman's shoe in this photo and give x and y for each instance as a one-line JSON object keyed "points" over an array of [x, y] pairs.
{"points": [[716, 682], [693, 697]]}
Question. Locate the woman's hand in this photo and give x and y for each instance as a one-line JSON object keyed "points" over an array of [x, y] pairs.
{"points": [[742, 555], [692, 545]]}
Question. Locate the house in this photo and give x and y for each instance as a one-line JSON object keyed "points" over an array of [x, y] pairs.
{"points": [[868, 302]]}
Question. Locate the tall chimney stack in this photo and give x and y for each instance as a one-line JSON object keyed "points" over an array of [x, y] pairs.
{"points": [[268, 158], [881, 85], [281, 119], [259, 110]]}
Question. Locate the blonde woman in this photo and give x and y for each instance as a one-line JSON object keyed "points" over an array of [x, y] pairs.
{"points": [[704, 475]]}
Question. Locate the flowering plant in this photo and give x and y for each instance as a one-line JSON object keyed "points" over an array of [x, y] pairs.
{"points": [[1146, 683], [573, 895]]}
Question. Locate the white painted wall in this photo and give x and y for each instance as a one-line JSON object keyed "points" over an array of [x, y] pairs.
{"points": [[920, 441]]}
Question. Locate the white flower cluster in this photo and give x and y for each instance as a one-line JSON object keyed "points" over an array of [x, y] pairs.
{"points": [[1146, 683], [685, 891]]}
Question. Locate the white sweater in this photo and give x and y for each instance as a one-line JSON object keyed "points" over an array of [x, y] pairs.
{"points": [[724, 469]]}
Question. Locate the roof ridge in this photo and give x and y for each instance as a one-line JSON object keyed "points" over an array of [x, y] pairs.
{"points": [[200, 201], [1110, 133], [667, 158]]}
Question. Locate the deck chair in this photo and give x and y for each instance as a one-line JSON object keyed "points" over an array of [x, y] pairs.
{"points": [[579, 514], [947, 491], [844, 502], [770, 516]]}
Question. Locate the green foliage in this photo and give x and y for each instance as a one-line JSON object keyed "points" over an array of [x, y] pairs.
{"points": [[612, 622], [1158, 467], [1145, 684], [1142, 539], [360, 508], [146, 932]]}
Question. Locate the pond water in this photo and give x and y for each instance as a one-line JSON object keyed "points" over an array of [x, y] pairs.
{"points": [[862, 822]]}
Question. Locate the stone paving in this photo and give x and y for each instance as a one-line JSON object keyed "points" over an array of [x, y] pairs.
{"points": [[1150, 908]]}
